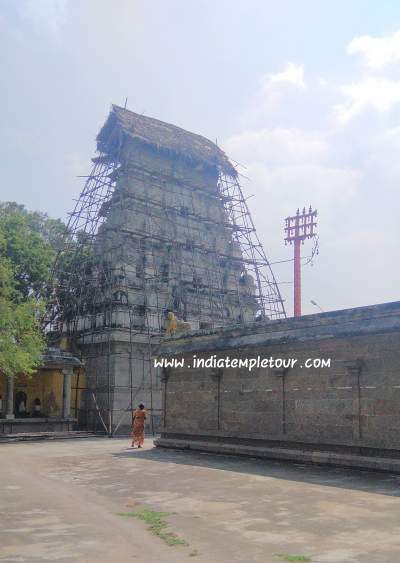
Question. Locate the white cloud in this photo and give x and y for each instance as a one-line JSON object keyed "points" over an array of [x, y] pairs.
{"points": [[372, 91], [294, 185], [292, 73], [290, 168], [294, 157], [278, 145], [277, 93], [380, 94], [378, 51]]}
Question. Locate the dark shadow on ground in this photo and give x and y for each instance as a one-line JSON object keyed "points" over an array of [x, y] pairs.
{"points": [[368, 481]]}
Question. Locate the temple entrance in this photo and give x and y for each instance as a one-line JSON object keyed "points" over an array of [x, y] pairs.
{"points": [[20, 404]]}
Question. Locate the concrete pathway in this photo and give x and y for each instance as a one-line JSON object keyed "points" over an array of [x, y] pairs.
{"points": [[59, 501]]}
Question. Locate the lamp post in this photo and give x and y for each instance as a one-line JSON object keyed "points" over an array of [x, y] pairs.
{"points": [[316, 305], [298, 228]]}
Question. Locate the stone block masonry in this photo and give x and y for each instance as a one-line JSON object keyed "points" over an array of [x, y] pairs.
{"points": [[160, 226], [347, 413]]}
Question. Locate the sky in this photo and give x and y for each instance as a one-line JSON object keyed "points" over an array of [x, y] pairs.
{"points": [[304, 95]]}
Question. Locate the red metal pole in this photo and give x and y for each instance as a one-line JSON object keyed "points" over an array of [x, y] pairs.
{"points": [[297, 279], [299, 228]]}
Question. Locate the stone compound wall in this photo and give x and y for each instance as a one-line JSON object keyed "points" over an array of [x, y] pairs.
{"points": [[345, 414]]}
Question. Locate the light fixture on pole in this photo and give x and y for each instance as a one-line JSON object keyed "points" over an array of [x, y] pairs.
{"points": [[316, 305]]}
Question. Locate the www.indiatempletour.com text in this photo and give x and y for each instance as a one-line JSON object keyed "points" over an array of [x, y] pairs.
{"points": [[244, 363]]}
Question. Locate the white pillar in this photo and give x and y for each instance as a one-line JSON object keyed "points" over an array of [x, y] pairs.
{"points": [[68, 371]]}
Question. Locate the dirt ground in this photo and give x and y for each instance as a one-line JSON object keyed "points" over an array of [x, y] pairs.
{"points": [[60, 501]]}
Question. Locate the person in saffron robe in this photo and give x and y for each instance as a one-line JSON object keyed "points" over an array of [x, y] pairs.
{"points": [[138, 418]]}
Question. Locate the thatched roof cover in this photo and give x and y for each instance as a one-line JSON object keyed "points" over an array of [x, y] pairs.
{"points": [[162, 136]]}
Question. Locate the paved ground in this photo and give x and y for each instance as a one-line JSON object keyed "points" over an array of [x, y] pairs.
{"points": [[59, 501]]}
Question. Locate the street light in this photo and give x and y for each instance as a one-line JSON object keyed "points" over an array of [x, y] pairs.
{"points": [[299, 228], [316, 305]]}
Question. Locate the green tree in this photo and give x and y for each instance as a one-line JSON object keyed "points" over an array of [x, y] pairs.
{"points": [[28, 245], [21, 338], [31, 241]]}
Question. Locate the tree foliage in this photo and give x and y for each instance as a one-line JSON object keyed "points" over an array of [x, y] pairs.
{"points": [[21, 339], [28, 244], [31, 240]]}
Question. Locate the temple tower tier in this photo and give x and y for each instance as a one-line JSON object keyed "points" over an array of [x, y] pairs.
{"points": [[161, 226]]}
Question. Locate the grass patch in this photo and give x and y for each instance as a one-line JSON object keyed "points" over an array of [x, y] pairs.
{"points": [[157, 524], [294, 558]]}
